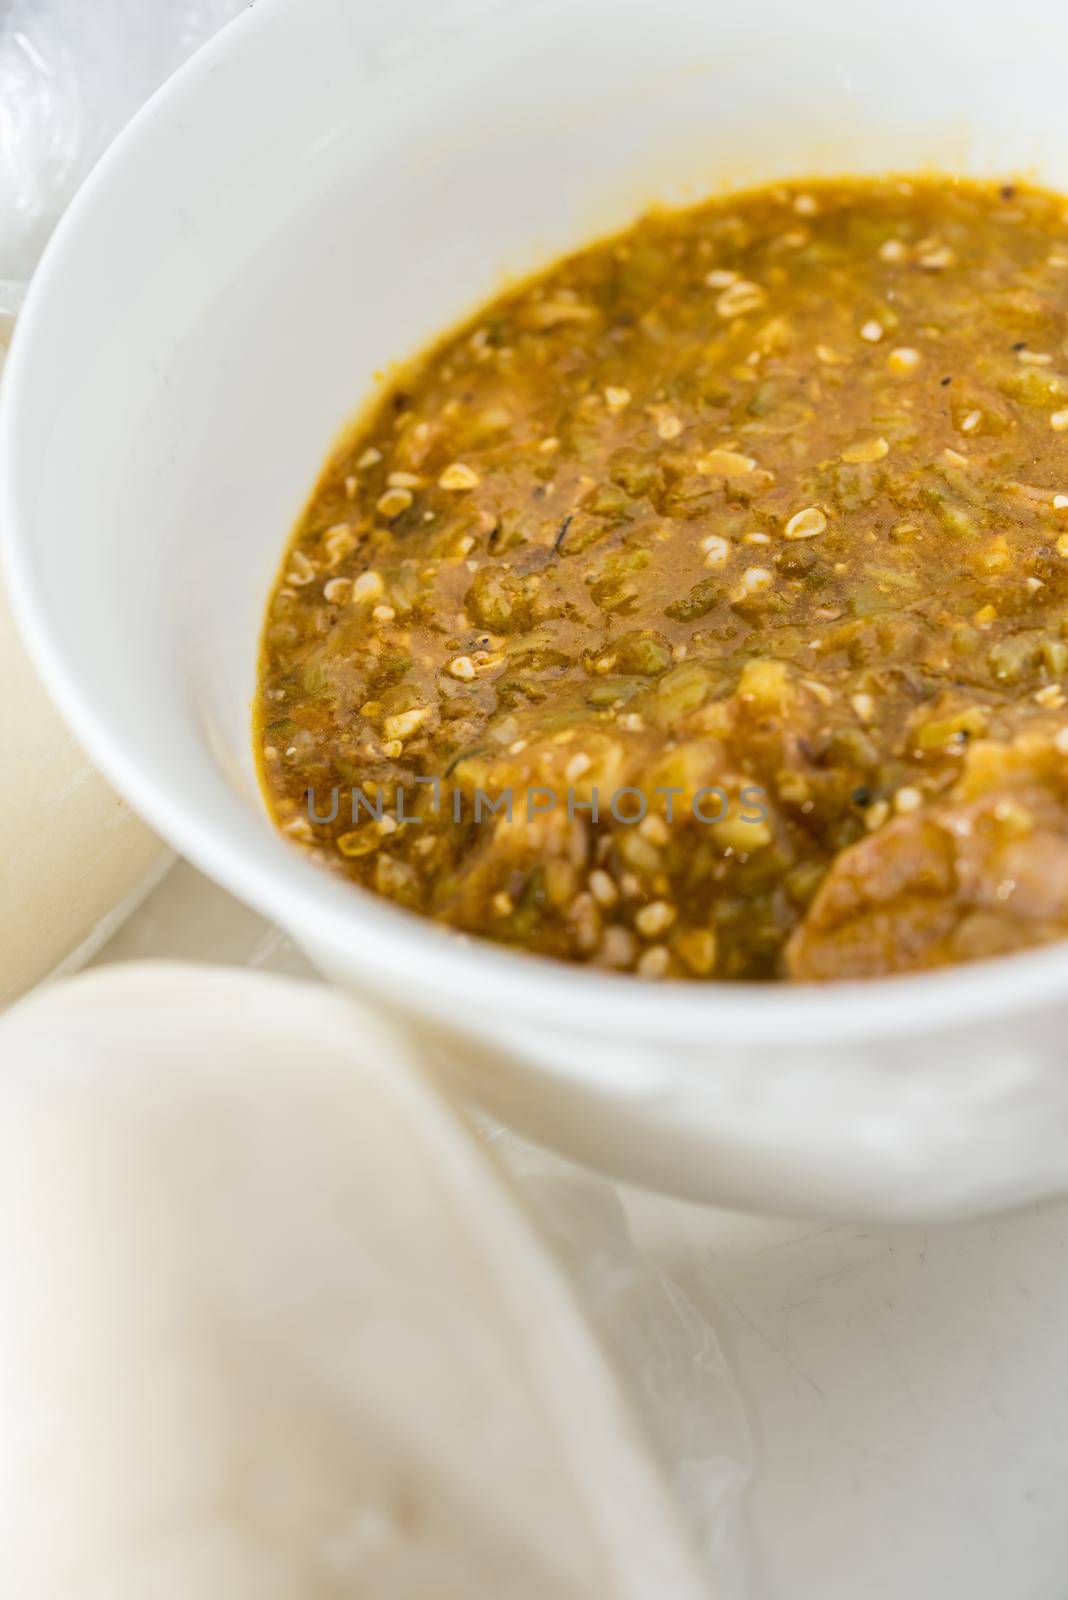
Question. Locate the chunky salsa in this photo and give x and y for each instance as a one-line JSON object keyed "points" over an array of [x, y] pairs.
{"points": [[699, 608]]}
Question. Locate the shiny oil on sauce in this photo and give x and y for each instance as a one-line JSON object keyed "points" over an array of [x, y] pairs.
{"points": [[698, 609]]}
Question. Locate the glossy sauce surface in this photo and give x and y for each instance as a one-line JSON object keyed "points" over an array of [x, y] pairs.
{"points": [[759, 512]]}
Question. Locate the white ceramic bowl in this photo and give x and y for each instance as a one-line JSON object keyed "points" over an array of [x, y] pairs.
{"points": [[320, 191]]}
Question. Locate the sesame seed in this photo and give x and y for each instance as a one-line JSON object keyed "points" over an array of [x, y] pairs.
{"points": [[459, 477], [716, 550], [754, 579], [907, 799], [602, 888], [872, 331], [725, 464], [903, 360], [740, 298], [938, 259], [865, 450], [462, 667], [301, 569], [338, 541], [1059, 421], [806, 524], [394, 502], [616, 399], [368, 585]]}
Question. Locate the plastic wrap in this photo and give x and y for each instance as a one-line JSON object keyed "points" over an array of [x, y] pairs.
{"points": [[72, 72], [671, 1355]]}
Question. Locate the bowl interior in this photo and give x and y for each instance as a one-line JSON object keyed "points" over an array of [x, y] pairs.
{"points": [[324, 189]]}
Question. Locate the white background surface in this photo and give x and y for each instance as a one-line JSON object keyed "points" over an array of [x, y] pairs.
{"points": [[906, 1389]]}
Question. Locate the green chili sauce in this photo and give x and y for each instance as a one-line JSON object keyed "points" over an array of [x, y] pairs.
{"points": [[761, 505]]}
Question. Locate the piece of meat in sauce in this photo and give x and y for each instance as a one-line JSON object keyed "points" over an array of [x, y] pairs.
{"points": [[956, 881]]}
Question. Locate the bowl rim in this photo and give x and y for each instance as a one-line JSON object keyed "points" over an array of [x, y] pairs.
{"points": [[397, 950]]}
